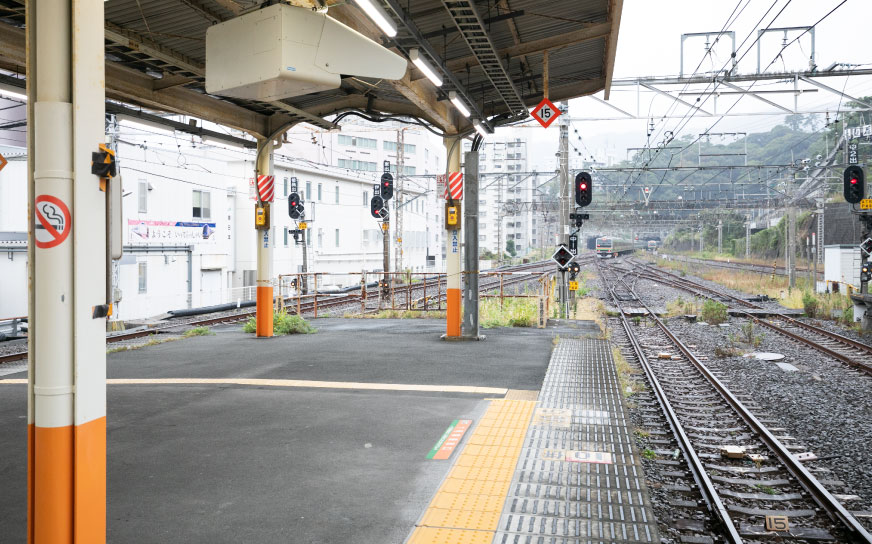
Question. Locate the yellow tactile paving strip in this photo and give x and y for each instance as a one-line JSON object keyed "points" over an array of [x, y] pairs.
{"points": [[466, 509]]}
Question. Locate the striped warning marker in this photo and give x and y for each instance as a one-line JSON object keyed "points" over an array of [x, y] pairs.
{"points": [[266, 187], [454, 187]]}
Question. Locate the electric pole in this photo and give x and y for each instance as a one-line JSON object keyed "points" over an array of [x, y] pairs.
{"points": [[563, 177], [398, 204], [720, 236], [748, 237]]}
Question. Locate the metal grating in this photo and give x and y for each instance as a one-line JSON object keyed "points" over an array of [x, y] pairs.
{"points": [[469, 24], [580, 409]]}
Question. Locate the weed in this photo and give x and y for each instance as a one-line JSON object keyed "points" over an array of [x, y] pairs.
{"points": [[637, 320], [283, 323], [642, 434], [198, 331], [748, 335], [727, 351], [766, 489], [809, 304], [514, 312], [713, 312], [649, 454]]}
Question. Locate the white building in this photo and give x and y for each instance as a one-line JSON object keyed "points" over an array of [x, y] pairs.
{"points": [[189, 237], [505, 184]]}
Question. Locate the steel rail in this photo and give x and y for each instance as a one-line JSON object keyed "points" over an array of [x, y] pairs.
{"points": [[713, 501], [819, 493], [682, 283]]}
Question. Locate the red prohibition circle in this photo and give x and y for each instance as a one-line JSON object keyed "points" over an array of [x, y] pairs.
{"points": [[57, 236]]}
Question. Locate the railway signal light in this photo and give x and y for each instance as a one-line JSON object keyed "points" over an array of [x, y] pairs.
{"points": [[855, 184], [387, 186], [583, 189], [574, 269], [562, 257], [865, 272], [295, 207], [376, 207]]}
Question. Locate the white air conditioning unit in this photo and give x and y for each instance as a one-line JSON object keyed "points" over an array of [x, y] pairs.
{"points": [[283, 51]]}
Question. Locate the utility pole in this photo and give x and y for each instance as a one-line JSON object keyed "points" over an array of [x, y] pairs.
{"points": [[305, 282], [748, 236], [386, 241], [701, 238], [398, 204], [563, 177], [790, 260], [720, 236], [470, 326]]}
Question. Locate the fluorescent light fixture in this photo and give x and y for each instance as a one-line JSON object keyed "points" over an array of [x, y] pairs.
{"points": [[378, 15], [15, 93], [458, 103], [479, 127], [425, 68]]}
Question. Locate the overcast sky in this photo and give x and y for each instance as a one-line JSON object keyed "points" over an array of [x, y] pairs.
{"points": [[649, 45]]}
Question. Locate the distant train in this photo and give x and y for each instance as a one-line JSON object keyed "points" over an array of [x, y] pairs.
{"points": [[608, 247], [652, 245]]}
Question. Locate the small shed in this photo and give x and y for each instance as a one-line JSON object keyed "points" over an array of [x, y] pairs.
{"points": [[842, 267]]}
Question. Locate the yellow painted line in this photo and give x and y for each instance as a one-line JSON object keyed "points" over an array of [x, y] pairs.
{"points": [[298, 383], [466, 509]]}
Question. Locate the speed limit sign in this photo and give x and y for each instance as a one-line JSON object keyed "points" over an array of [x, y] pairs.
{"points": [[546, 112]]}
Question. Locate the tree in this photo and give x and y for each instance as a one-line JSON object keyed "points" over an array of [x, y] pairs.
{"points": [[510, 248]]}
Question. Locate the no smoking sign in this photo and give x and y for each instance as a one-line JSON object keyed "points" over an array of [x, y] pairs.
{"points": [[53, 221], [546, 112]]}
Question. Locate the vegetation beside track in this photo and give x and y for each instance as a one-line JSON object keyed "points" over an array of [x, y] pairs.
{"points": [[283, 324]]}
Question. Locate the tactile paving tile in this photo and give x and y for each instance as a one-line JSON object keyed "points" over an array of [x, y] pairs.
{"points": [[554, 498]]}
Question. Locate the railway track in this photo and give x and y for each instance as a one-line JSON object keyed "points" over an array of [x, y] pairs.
{"points": [[747, 476], [842, 348], [306, 308], [749, 267]]}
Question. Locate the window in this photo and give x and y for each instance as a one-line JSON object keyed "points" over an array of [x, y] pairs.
{"points": [[392, 146], [308, 195], [201, 209], [337, 194], [143, 278], [366, 198], [407, 170], [287, 185], [367, 143], [319, 192], [337, 237], [482, 237], [143, 196], [366, 166], [308, 238], [321, 238], [286, 237]]}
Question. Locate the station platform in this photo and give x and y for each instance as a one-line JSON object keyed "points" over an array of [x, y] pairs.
{"points": [[336, 437], [559, 469]]}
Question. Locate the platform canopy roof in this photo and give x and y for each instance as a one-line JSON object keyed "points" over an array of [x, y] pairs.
{"points": [[155, 58]]}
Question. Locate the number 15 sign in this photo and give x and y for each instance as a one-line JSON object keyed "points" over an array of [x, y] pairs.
{"points": [[546, 112]]}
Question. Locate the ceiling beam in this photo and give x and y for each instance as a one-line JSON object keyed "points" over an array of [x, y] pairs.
{"points": [[134, 87], [139, 43], [418, 93], [615, 9], [588, 33]]}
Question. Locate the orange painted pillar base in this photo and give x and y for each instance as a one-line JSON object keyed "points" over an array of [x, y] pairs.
{"points": [[67, 483], [453, 313], [264, 318]]}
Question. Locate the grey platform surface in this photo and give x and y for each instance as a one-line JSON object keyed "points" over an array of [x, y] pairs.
{"points": [[227, 463], [579, 414]]}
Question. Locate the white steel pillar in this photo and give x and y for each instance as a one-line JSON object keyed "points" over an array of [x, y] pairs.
{"points": [[67, 272], [263, 167]]}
